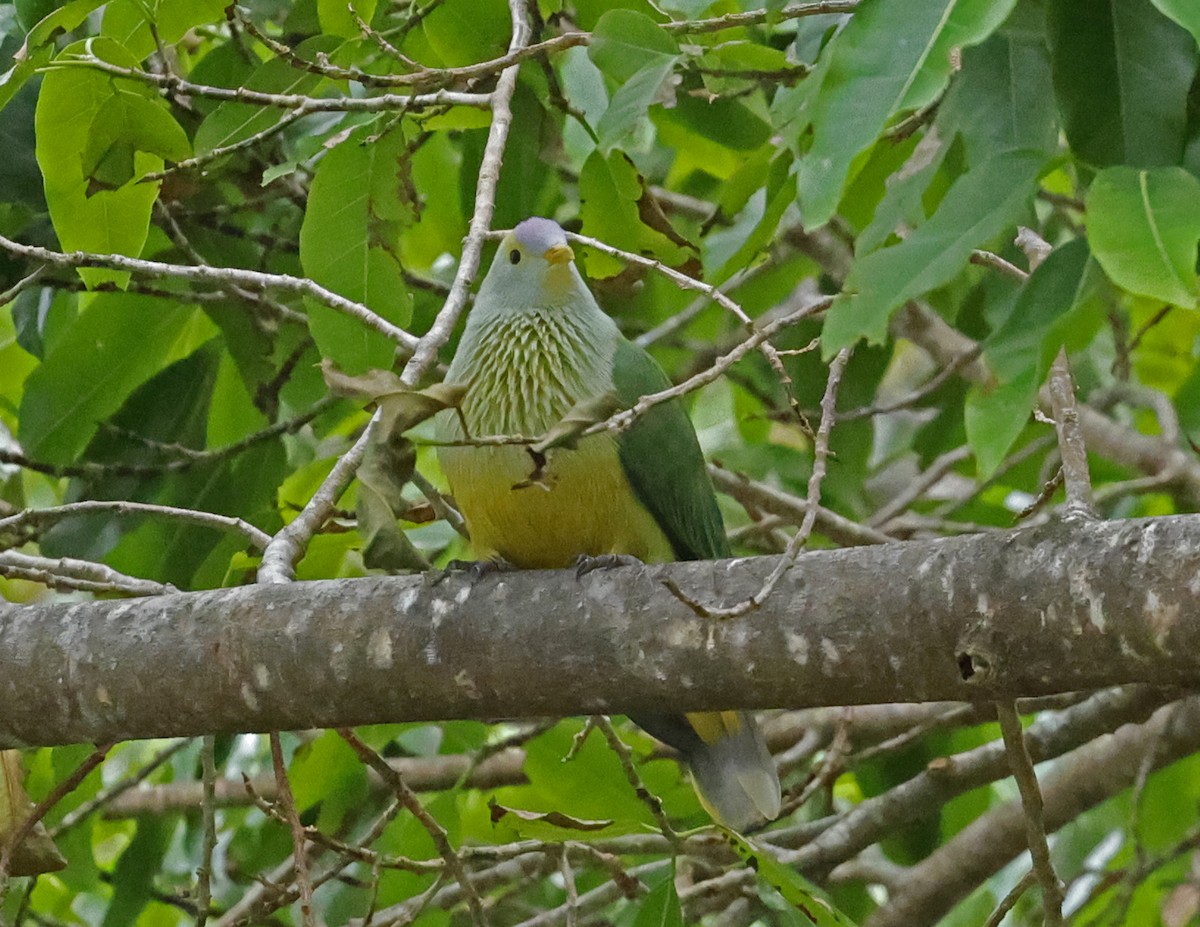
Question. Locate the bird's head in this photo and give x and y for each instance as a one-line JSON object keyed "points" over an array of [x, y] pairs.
{"points": [[535, 266]]}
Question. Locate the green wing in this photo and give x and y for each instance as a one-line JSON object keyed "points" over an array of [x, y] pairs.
{"points": [[663, 462]]}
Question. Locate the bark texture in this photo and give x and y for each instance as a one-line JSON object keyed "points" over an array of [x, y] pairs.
{"points": [[1062, 607]]}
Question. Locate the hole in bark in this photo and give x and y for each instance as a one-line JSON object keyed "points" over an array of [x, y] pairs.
{"points": [[974, 667]]}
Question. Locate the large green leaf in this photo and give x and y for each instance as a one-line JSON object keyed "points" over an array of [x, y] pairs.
{"points": [[635, 51], [111, 349], [609, 192], [626, 42], [661, 908], [71, 101], [347, 243], [1184, 12], [999, 100], [336, 18], [125, 124], [133, 878], [890, 57], [1144, 227], [980, 205], [1060, 305], [1122, 72]]}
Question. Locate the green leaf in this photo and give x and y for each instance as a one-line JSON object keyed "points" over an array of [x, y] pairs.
{"points": [[127, 123], [336, 19], [661, 908], [998, 101], [1143, 226], [232, 122], [176, 17], [347, 242], [980, 205], [12, 80], [995, 416], [903, 203], [110, 221], [328, 771], [133, 878], [626, 42], [778, 196], [1116, 108], [633, 50], [64, 19], [630, 103], [464, 32], [890, 57], [1059, 305], [1184, 12], [609, 192], [112, 348], [810, 901]]}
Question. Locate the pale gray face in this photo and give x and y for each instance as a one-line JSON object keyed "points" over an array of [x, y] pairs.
{"points": [[533, 267]]}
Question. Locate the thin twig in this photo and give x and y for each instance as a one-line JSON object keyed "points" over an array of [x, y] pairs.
{"points": [[299, 843], [1076, 478], [1031, 799], [820, 455], [1009, 900], [222, 276], [80, 575], [426, 351], [648, 798], [408, 798], [49, 516], [209, 811]]}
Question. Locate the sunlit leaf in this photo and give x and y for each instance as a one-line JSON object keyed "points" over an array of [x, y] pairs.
{"points": [[1144, 227]]}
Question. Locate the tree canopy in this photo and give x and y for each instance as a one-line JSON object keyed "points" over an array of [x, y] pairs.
{"points": [[925, 276]]}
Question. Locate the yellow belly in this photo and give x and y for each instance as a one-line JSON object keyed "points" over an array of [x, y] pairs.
{"points": [[589, 507]]}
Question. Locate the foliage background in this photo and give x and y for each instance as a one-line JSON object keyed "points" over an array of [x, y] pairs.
{"points": [[880, 152]]}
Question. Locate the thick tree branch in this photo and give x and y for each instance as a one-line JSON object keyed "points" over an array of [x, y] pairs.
{"points": [[1060, 607]]}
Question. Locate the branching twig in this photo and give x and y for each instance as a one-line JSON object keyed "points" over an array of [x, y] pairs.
{"points": [[81, 575], [408, 798], [35, 518], [221, 276]]}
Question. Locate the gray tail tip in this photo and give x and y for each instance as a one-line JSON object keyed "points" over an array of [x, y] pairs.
{"points": [[736, 779]]}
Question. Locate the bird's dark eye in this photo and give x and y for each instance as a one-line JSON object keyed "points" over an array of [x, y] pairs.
{"points": [[514, 256]]}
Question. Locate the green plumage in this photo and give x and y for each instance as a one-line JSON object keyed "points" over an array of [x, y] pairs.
{"points": [[678, 495], [536, 345]]}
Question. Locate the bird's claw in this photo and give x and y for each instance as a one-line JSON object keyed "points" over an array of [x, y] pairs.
{"points": [[478, 569], [586, 563]]}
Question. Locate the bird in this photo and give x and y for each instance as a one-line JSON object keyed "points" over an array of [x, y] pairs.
{"points": [[537, 345]]}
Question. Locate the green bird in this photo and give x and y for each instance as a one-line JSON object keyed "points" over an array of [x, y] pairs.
{"points": [[536, 345]]}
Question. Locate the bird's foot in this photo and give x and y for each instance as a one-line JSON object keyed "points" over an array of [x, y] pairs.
{"points": [[478, 569], [586, 563]]}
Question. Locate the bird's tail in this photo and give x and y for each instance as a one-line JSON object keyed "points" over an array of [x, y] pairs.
{"points": [[731, 768]]}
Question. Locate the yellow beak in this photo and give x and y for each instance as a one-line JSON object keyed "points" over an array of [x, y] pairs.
{"points": [[559, 254]]}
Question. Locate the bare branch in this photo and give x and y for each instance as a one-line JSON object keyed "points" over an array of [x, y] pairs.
{"points": [[222, 276]]}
